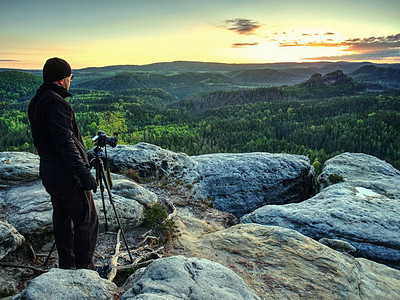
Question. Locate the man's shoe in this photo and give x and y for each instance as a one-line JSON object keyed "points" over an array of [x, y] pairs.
{"points": [[103, 271]]}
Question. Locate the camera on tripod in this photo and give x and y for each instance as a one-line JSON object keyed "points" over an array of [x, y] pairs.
{"points": [[101, 139]]}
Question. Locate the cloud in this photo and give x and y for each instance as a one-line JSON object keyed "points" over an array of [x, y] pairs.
{"points": [[373, 44], [370, 48], [242, 45], [243, 26], [9, 60], [329, 33]]}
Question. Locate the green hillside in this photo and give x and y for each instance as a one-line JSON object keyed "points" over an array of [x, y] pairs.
{"points": [[17, 86], [320, 117]]}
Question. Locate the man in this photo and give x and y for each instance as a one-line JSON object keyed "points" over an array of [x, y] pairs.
{"points": [[64, 167]]}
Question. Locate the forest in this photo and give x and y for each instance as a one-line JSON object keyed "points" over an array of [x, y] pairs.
{"points": [[319, 117]]}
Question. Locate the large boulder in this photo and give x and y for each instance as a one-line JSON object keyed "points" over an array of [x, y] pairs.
{"points": [[179, 277], [279, 263], [363, 170], [365, 219], [10, 239], [148, 160], [17, 168], [241, 183], [58, 284], [362, 210], [29, 210]]}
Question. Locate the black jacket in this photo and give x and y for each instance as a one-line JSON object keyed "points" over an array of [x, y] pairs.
{"points": [[57, 138]]}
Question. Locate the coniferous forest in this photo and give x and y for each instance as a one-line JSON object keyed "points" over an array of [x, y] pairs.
{"points": [[308, 113]]}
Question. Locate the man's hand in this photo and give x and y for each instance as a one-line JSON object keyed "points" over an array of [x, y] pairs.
{"points": [[88, 182]]}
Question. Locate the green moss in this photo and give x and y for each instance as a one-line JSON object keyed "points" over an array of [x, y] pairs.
{"points": [[335, 178]]}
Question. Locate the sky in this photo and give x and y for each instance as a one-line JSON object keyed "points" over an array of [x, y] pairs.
{"points": [[95, 33]]}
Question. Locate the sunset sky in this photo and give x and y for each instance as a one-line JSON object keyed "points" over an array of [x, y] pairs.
{"points": [[103, 32]]}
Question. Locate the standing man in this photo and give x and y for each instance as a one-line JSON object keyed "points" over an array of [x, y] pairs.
{"points": [[64, 167]]}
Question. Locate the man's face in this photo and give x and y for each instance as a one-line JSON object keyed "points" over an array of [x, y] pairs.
{"points": [[66, 82]]}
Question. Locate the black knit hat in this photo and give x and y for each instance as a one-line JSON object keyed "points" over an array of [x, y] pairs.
{"points": [[56, 69]]}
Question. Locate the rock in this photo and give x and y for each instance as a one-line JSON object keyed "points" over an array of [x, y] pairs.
{"points": [[17, 168], [179, 277], [61, 284], [362, 170], [338, 245], [130, 212], [241, 183], [279, 263], [29, 210], [10, 239], [8, 286], [367, 220], [148, 160], [131, 190]]}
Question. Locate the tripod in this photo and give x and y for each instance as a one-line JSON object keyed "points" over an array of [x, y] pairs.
{"points": [[105, 183]]}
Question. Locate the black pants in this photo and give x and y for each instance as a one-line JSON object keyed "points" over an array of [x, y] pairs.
{"points": [[76, 225]]}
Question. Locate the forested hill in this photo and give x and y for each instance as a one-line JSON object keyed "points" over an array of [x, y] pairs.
{"points": [[330, 85], [321, 116], [18, 86], [385, 76]]}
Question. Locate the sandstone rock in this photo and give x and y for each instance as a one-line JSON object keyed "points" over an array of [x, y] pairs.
{"points": [[131, 190], [241, 183], [8, 287], [367, 220], [61, 284], [10, 239], [338, 245], [362, 170], [29, 209], [130, 212], [188, 278], [279, 263], [148, 160], [18, 167]]}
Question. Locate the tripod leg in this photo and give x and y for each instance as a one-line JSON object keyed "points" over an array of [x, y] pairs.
{"points": [[100, 175], [48, 256], [116, 216]]}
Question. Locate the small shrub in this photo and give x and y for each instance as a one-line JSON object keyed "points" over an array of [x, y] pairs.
{"points": [[335, 178], [132, 174], [156, 219]]}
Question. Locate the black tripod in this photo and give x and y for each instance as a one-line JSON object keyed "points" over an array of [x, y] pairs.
{"points": [[105, 183]]}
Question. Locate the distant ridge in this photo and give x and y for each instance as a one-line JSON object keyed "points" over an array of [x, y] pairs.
{"points": [[196, 66]]}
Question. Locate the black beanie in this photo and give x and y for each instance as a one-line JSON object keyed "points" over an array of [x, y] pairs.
{"points": [[56, 69]]}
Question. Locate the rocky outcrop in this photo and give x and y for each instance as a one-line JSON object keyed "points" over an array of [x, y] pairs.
{"points": [[10, 239], [279, 263], [241, 183], [148, 160], [235, 183], [60, 284], [363, 170], [17, 168], [362, 210], [334, 78], [179, 277]]}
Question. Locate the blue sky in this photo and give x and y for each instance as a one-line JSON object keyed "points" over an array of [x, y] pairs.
{"points": [[99, 33]]}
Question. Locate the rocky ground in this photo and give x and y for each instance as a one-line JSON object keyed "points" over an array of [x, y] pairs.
{"points": [[31, 264], [305, 249]]}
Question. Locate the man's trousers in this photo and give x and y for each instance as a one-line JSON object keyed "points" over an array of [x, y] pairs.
{"points": [[75, 224]]}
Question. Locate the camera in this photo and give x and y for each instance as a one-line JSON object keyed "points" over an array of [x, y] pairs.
{"points": [[101, 139]]}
